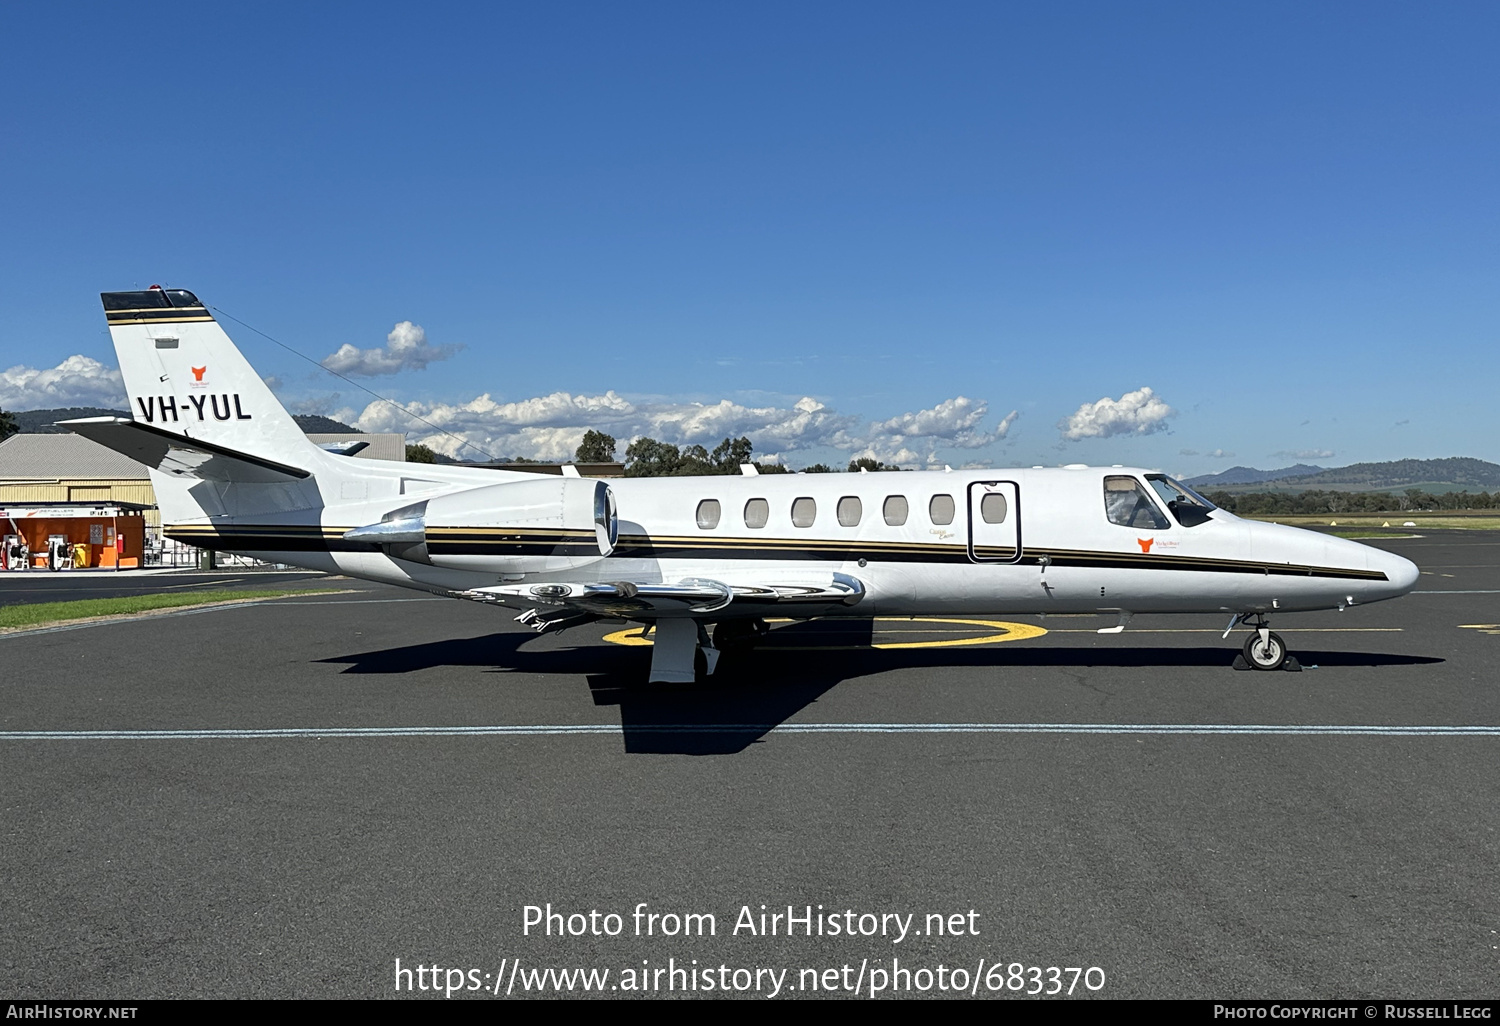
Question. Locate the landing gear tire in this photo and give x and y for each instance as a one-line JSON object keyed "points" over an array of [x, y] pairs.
{"points": [[738, 636], [1267, 655]]}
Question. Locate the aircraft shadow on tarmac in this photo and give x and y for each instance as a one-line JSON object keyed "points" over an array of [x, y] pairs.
{"points": [[755, 691]]}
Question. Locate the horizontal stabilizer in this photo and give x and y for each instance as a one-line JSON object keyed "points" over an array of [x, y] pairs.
{"points": [[694, 596], [176, 454]]}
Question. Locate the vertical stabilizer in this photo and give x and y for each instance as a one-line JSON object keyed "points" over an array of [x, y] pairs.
{"points": [[183, 375]]}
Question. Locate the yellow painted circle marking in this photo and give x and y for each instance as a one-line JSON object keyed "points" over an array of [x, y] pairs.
{"points": [[629, 636], [1002, 630], [1008, 632]]}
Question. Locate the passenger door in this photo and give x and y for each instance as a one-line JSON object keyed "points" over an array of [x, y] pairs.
{"points": [[994, 522]]}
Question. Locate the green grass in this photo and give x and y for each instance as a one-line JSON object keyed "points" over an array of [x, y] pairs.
{"points": [[40, 613], [1389, 533], [1377, 521]]}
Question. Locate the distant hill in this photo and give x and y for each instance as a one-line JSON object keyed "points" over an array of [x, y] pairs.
{"points": [[1249, 475], [1455, 474], [312, 424], [39, 422]]}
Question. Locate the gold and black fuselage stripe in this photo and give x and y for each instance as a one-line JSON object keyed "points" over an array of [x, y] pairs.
{"points": [[503, 542], [158, 315]]}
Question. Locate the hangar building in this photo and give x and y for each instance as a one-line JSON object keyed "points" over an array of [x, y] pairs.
{"points": [[65, 487]]}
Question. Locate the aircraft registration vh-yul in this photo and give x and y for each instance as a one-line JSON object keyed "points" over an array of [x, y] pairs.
{"points": [[234, 473]]}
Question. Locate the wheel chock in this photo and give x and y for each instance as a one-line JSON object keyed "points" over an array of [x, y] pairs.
{"points": [[1239, 663]]}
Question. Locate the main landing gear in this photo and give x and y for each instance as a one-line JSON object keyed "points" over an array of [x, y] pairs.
{"points": [[1263, 650], [739, 636], [683, 652]]}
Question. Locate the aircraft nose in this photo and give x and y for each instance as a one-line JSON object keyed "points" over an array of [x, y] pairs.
{"points": [[1401, 572]]}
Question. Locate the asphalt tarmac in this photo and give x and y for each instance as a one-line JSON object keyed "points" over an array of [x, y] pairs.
{"points": [[376, 776], [28, 586]]}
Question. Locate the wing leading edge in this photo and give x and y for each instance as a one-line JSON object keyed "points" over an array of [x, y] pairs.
{"points": [[690, 597]]}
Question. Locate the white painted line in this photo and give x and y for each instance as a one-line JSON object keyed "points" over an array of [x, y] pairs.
{"points": [[363, 602], [1220, 630], [158, 615], [1490, 591], [542, 730]]}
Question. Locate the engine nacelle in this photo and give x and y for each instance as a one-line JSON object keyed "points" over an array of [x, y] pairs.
{"points": [[546, 524]]}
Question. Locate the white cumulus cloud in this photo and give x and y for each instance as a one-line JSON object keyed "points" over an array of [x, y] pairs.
{"points": [[1304, 454], [1135, 413], [896, 456], [953, 421], [406, 348], [1219, 454], [551, 426], [77, 381]]}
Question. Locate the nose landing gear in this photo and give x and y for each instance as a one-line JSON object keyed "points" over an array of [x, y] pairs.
{"points": [[1263, 649]]}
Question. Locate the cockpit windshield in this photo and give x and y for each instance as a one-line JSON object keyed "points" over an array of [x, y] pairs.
{"points": [[1128, 504], [1187, 506]]}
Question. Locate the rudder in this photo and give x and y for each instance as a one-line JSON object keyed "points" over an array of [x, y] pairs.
{"points": [[184, 375]]}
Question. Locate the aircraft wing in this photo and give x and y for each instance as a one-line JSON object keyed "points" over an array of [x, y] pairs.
{"points": [[178, 454], [693, 596]]}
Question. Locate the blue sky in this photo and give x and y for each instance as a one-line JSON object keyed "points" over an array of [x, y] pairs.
{"points": [[686, 220]]}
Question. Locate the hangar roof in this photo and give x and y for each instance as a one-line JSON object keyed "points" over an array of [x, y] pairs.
{"points": [[63, 457]]}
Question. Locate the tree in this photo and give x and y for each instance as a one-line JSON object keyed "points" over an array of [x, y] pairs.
{"points": [[418, 453], [695, 462], [818, 468], [7, 425], [596, 447], [872, 465], [730, 453], [773, 468], [646, 457]]}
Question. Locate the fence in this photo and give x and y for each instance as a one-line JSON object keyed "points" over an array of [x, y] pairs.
{"points": [[168, 552]]}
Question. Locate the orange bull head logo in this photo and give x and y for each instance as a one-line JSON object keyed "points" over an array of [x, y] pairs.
{"points": [[1145, 543], [198, 372]]}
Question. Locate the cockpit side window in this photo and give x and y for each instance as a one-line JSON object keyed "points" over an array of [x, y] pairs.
{"points": [[1187, 506], [1127, 503]]}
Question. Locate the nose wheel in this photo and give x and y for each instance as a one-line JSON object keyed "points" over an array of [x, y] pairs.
{"points": [[1264, 649]]}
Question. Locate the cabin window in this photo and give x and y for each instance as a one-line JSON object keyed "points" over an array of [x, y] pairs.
{"points": [[992, 508], [804, 512], [757, 512], [895, 510], [850, 511], [1190, 508], [1127, 504], [940, 509], [708, 514]]}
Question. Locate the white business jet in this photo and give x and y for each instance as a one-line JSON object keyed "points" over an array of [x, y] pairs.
{"points": [[233, 472]]}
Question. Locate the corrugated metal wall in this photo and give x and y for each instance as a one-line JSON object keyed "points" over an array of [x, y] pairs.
{"points": [[86, 491]]}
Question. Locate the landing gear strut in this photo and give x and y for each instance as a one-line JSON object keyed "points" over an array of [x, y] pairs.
{"points": [[1263, 650], [682, 652]]}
